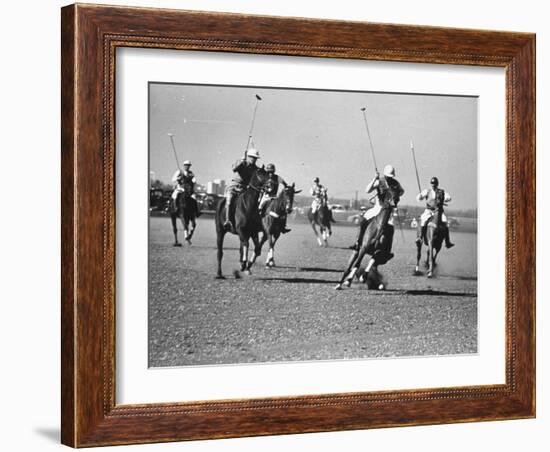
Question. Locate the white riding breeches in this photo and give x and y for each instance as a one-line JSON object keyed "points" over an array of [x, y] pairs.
{"points": [[427, 214], [315, 205], [179, 190], [375, 210]]}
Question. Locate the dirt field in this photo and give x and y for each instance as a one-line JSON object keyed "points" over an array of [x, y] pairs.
{"points": [[292, 312]]}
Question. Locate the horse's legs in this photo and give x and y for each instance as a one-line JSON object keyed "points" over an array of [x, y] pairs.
{"points": [[418, 256], [257, 250], [192, 230], [325, 231], [430, 259], [173, 218], [319, 241], [348, 269], [244, 255], [270, 261], [220, 236], [185, 227]]}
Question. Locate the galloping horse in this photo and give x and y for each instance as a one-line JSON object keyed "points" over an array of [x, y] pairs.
{"points": [[435, 234], [273, 220], [247, 222], [378, 243], [186, 210], [321, 218]]}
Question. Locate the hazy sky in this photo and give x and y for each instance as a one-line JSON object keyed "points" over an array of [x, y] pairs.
{"points": [[310, 133]]}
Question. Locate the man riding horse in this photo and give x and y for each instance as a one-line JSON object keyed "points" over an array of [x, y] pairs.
{"points": [[184, 185], [320, 196], [431, 195], [380, 184], [244, 169], [270, 190], [379, 230]]}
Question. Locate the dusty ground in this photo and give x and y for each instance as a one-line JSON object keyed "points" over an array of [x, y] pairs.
{"points": [[293, 313]]}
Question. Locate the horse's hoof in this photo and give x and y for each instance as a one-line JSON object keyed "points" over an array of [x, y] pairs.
{"points": [[338, 287], [429, 275], [247, 272], [417, 272], [362, 279], [188, 242], [177, 244], [220, 277], [347, 283]]}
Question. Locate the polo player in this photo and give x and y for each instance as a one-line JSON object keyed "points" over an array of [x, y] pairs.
{"points": [[380, 184], [244, 169], [430, 195], [320, 196], [271, 189], [183, 180]]}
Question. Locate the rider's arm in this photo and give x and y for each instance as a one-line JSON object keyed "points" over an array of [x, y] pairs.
{"points": [[422, 195], [372, 185], [447, 197], [238, 164], [176, 176]]}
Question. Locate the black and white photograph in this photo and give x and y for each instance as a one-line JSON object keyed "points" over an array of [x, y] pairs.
{"points": [[301, 225]]}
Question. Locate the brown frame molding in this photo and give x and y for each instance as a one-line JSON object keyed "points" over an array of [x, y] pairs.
{"points": [[90, 35]]}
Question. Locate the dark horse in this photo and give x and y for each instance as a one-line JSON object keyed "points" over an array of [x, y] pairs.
{"points": [[273, 220], [378, 243], [247, 222], [321, 218], [186, 210], [435, 234]]}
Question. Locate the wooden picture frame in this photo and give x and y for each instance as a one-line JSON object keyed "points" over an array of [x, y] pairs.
{"points": [[90, 36]]}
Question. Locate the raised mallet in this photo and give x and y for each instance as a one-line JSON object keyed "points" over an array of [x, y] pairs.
{"points": [[251, 131], [364, 110], [171, 135], [415, 167]]}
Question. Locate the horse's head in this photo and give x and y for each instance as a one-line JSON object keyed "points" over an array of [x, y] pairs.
{"points": [[259, 178], [389, 195], [289, 192]]}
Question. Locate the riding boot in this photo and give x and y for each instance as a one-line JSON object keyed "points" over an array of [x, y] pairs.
{"points": [[421, 234], [360, 234], [448, 243], [198, 212]]}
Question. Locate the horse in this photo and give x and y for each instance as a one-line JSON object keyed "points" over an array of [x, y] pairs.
{"points": [[378, 243], [186, 210], [247, 222], [435, 234], [321, 218], [273, 220]]}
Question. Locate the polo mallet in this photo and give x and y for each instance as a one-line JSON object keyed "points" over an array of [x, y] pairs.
{"points": [[250, 132], [415, 167], [171, 135], [364, 109]]}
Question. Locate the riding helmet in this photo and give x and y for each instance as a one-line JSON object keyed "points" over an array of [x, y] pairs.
{"points": [[434, 181], [270, 167], [389, 171], [316, 179], [187, 162]]}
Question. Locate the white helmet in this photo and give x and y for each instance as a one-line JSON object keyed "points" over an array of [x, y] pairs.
{"points": [[252, 152], [187, 162], [389, 171]]}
